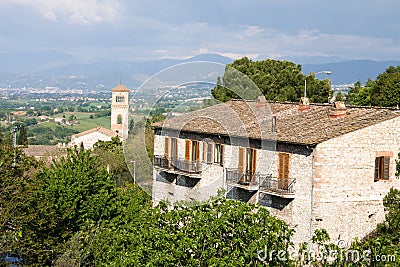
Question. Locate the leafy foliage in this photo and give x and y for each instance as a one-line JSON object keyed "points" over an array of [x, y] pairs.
{"points": [[219, 232], [384, 91], [277, 80], [13, 178], [60, 201]]}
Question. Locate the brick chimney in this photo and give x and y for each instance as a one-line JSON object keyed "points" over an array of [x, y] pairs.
{"points": [[304, 104], [338, 110], [261, 101]]}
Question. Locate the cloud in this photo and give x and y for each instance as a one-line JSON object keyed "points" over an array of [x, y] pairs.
{"points": [[85, 12]]}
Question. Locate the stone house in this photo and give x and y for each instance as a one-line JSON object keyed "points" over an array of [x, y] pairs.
{"points": [[88, 138], [312, 165]]}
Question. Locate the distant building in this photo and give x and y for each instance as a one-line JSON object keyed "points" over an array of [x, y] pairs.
{"points": [[60, 120], [120, 110], [88, 138], [119, 121], [43, 152]]}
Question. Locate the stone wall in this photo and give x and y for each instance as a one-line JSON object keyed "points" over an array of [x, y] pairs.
{"points": [[348, 202], [89, 139], [295, 211]]}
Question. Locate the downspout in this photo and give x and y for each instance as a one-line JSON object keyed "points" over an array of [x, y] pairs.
{"points": [[312, 195]]}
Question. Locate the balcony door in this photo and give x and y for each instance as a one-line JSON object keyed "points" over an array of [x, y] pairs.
{"points": [[247, 163]]}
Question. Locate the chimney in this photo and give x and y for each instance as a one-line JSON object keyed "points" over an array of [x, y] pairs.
{"points": [[338, 110], [273, 124], [304, 104], [261, 101]]}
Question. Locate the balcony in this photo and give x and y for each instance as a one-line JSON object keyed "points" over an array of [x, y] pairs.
{"points": [[162, 162], [178, 165], [243, 179], [281, 187]]}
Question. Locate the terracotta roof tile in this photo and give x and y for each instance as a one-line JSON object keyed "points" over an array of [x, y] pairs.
{"points": [[98, 129], [120, 88], [254, 120]]}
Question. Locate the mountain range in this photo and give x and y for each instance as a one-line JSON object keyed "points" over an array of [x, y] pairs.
{"points": [[23, 69]]}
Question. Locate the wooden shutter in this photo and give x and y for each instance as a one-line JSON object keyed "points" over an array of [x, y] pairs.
{"points": [[221, 156], [386, 168], [377, 163], [196, 150], [210, 152], [241, 163], [283, 170], [205, 152], [167, 147], [253, 157], [187, 149]]}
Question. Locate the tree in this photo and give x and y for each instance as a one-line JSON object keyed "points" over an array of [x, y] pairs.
{"points": [[13, 180], [71, 117], [218, 232], [131, 125], [68, 195], [22, 136], [111, 156], [277, 80], [386, 90]]}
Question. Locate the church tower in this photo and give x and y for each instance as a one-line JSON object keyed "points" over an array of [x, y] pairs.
{"points": [[120, 110]]}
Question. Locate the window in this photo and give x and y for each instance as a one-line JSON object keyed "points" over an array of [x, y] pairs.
{"points": [[382, 168], [219, 154], [283, 171], [195, 150], [119, 119], [119, 99], [174, 148], [208, 152]]}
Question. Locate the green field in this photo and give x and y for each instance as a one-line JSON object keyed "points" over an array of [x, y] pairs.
{"points": [[50, 133]]}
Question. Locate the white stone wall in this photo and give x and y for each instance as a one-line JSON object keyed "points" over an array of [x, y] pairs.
{"points": [[348, 203], [209, 182], [89, 139]]}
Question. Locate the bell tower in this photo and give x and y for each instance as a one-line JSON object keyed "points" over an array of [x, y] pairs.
{"points": [[120, 110]]}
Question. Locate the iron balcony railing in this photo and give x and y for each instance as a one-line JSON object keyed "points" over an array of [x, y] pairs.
{"points": [[282, 186], [162, 162], [178, 164], [262, 182], [236, 176]]}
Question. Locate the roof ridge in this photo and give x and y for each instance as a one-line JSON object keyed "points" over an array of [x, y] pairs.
{"points": [[317, 104]]}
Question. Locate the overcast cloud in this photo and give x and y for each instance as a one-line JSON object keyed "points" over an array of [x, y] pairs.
{"points": [[141, 30]]}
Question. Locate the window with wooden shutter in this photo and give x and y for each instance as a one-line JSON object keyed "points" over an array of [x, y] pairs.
{"points": [[195, 150], [283, 170], [218, 153], [382, 165], [167, 148], [187, 149]]}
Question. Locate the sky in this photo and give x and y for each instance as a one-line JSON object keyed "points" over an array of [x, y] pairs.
{"points": [[93, 30]]}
